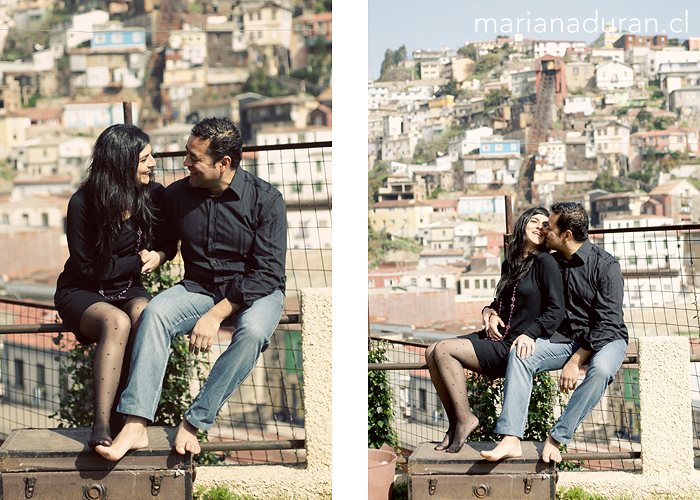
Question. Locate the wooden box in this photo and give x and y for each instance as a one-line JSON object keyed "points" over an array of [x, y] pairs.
{"points": [[58, 464], [465, 475]]}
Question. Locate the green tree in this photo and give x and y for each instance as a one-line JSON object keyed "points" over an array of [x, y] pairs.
{"points": [[380, 401], [451, 88], [467, 51], [496, 97], [318, 68], [487, 63], [400, 55], [661, 123], [644, 116]]}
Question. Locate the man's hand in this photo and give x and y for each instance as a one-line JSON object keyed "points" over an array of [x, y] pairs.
{"points": [[569, 376], [524, 346], [572, 368], [203, 334]]}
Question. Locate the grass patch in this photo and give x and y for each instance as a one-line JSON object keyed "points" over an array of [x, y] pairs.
{"points": [[579, 493]]}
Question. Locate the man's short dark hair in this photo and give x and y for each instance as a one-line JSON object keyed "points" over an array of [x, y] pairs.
{"points": [[572, 217], [225, 139]]}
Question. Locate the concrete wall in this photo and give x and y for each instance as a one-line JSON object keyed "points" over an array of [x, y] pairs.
{"points": [[666, 430], [313, 480]]}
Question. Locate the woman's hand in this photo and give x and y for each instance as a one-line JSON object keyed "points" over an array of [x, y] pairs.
{"points": [[524, 346], [491, 322], [150, 260]]}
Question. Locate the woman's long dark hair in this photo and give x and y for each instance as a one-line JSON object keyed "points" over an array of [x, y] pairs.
{"points": [[112, 189], [516, 266]]}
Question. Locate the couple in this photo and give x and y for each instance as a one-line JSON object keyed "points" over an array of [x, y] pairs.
{"points": [[552, 311], [231, 227]]}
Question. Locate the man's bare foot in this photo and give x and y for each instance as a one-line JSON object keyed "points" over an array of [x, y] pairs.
{"points": [[186, 439], [509, 447], [550, 452], [132, 437], [448, 439], [461, 434], [101, 435]]}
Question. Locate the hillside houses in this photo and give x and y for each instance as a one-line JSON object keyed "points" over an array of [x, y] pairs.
{"points": [[621, 117]]}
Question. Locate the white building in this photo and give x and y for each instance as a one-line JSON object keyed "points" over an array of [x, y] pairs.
{"points": [[651, 262], [304, 177], [614, 75], [579, 104]]}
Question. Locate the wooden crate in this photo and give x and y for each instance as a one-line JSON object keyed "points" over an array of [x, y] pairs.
{"points": [[466, 475], [58, 464]]}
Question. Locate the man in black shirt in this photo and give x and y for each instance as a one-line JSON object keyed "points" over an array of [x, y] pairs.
{"points": [[593, 332], [232, 228]]}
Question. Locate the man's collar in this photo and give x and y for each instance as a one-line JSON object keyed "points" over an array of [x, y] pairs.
{"points": [[584, 250], [236, 184]]}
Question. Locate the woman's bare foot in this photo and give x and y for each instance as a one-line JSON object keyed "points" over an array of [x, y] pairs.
{"points": [[132, 437], [509, 447], [550, 452], [101, 435], [186, 439], [448, 439], [461, 434]]}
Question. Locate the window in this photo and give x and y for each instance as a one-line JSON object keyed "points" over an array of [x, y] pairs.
{"points": [[632, 261], [476, 284], [318, 186], [486, 283], [5, 218], [19, 373], [493, 283], [466, 284], [370, 283], [117, 38], [296, 188], [414, 281], [649, 261], [422, 399], [443, 282], [45, 220], [319, 167], [575, 71], [428, 282], [25, 219]]}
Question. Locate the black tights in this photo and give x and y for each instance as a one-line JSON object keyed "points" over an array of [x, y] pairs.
{"points": [[447, 360], [113, 329]]}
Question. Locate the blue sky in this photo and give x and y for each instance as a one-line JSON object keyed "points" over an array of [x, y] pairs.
{"points": [[430, 25]]}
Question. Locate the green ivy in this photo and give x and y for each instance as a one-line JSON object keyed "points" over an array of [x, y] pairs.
{"points": [[380, 401], [76, 405]]}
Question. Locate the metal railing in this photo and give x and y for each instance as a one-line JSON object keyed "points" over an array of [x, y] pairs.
{"points": [[659, 266], [263, 421]]}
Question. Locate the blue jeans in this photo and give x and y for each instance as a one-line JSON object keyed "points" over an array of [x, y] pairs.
{"points": [[174, 313], [550, 356]]}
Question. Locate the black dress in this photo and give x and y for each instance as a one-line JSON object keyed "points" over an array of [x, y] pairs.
{"points": [[79, 285], [537, 311]]}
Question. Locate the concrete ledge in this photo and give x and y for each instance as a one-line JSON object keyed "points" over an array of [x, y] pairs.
{"points": [[312, 480], [665, 429]]}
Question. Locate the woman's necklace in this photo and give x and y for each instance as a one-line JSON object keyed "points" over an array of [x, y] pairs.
{"points": [[120, 295], [512, 306]]}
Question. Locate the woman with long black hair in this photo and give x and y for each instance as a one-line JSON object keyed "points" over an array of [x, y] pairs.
{"points": [[110, 232], [529, 304]]}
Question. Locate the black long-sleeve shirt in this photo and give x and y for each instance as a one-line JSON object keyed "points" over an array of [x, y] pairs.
{"points": [[594, 288], [539, 301], [81, 233], [234, 243]]}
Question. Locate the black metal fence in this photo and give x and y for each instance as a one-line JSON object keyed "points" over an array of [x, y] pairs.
{"points": [[660, 269], [268, 405]]}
